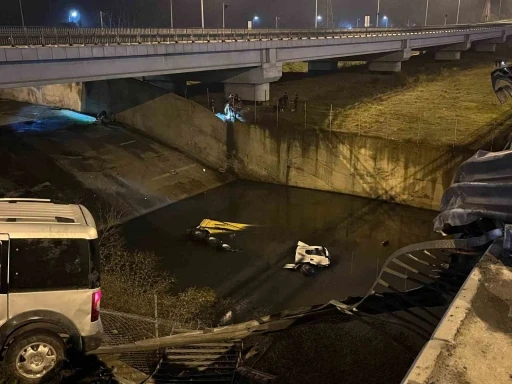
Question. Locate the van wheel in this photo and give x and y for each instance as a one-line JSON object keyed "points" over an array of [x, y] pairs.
{"points": [[35, 356]]}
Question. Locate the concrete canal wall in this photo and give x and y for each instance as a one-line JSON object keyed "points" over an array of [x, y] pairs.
{"points": [[68, 96], [403, 172]]}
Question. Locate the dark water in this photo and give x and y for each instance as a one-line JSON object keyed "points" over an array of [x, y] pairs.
{"points": [[352, 228]]}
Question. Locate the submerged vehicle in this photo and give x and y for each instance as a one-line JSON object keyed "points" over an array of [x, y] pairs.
{"points": [[309, 258], [206, 230]]}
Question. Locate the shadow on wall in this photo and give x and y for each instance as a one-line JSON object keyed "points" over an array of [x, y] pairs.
{"points": [[163, 116]]}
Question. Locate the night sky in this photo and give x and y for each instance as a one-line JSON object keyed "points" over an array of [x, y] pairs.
{"points": [[292, 13]]}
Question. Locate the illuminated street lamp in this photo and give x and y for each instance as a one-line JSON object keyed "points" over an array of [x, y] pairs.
{"points": [[255, 19], [74, 16], [385, 18]]}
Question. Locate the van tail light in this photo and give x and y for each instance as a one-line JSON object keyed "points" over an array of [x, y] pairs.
{"points": [[95, 308]]}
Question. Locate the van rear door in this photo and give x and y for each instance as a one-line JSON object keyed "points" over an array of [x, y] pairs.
{"points": [[4, 258]]}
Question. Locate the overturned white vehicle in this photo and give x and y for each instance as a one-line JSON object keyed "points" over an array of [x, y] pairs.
{"points": [[309, 258]]}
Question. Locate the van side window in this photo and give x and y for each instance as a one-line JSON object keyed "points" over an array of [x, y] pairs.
{"points": [[48, 264]]}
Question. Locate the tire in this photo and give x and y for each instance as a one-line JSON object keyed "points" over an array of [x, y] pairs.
{"points": [[214, 242], [308, 270], [199, 234], [33, 344]]}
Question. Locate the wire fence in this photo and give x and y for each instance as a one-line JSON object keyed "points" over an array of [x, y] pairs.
{"points": [[124, 328], [417, 122]]}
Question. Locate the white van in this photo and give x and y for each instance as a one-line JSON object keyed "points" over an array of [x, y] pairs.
{"points": [[49, 285]]}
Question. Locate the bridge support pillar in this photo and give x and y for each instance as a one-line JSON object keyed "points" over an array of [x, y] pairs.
{"points": [[485, 47], [391, 62], [253, 84], [452, 52], [447, 55], [322, 65], [489, 45]]}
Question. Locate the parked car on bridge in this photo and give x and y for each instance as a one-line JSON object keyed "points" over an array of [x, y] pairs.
{"points": [[49, 286]]}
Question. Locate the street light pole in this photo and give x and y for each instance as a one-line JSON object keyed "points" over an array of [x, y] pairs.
{"points": [[458, 13], [21, 12], [316, 13], [499, 11], [202, 14], [172, 18], [101, 19], [426, 14], [378, 13], [223, 15], [277, 19]]}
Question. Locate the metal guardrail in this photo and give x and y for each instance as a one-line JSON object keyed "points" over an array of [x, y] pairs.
{"points": [[43, 36]]}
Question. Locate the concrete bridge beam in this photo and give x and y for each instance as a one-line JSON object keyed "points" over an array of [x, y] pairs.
{"points": [[391, 62]]}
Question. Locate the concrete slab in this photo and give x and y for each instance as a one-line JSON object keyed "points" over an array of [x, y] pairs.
{"points": [[13, 54], [110, 51], [28, 54], [44, 53], [161, 49], [58, 53], [122, 50], [151, 49], [85, 52], [72, 53], [131, 50], [98, 51], [2, 54], [142, 50]]}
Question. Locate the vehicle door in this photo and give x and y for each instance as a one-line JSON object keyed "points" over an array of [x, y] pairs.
{"points": [[4, 259], [50, 275]]}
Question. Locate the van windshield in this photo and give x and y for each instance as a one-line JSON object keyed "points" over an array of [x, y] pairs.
{"points": [[52, 264]]}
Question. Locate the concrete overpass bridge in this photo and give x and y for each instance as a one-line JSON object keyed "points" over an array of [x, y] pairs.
{"points": [[245, 60]]}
